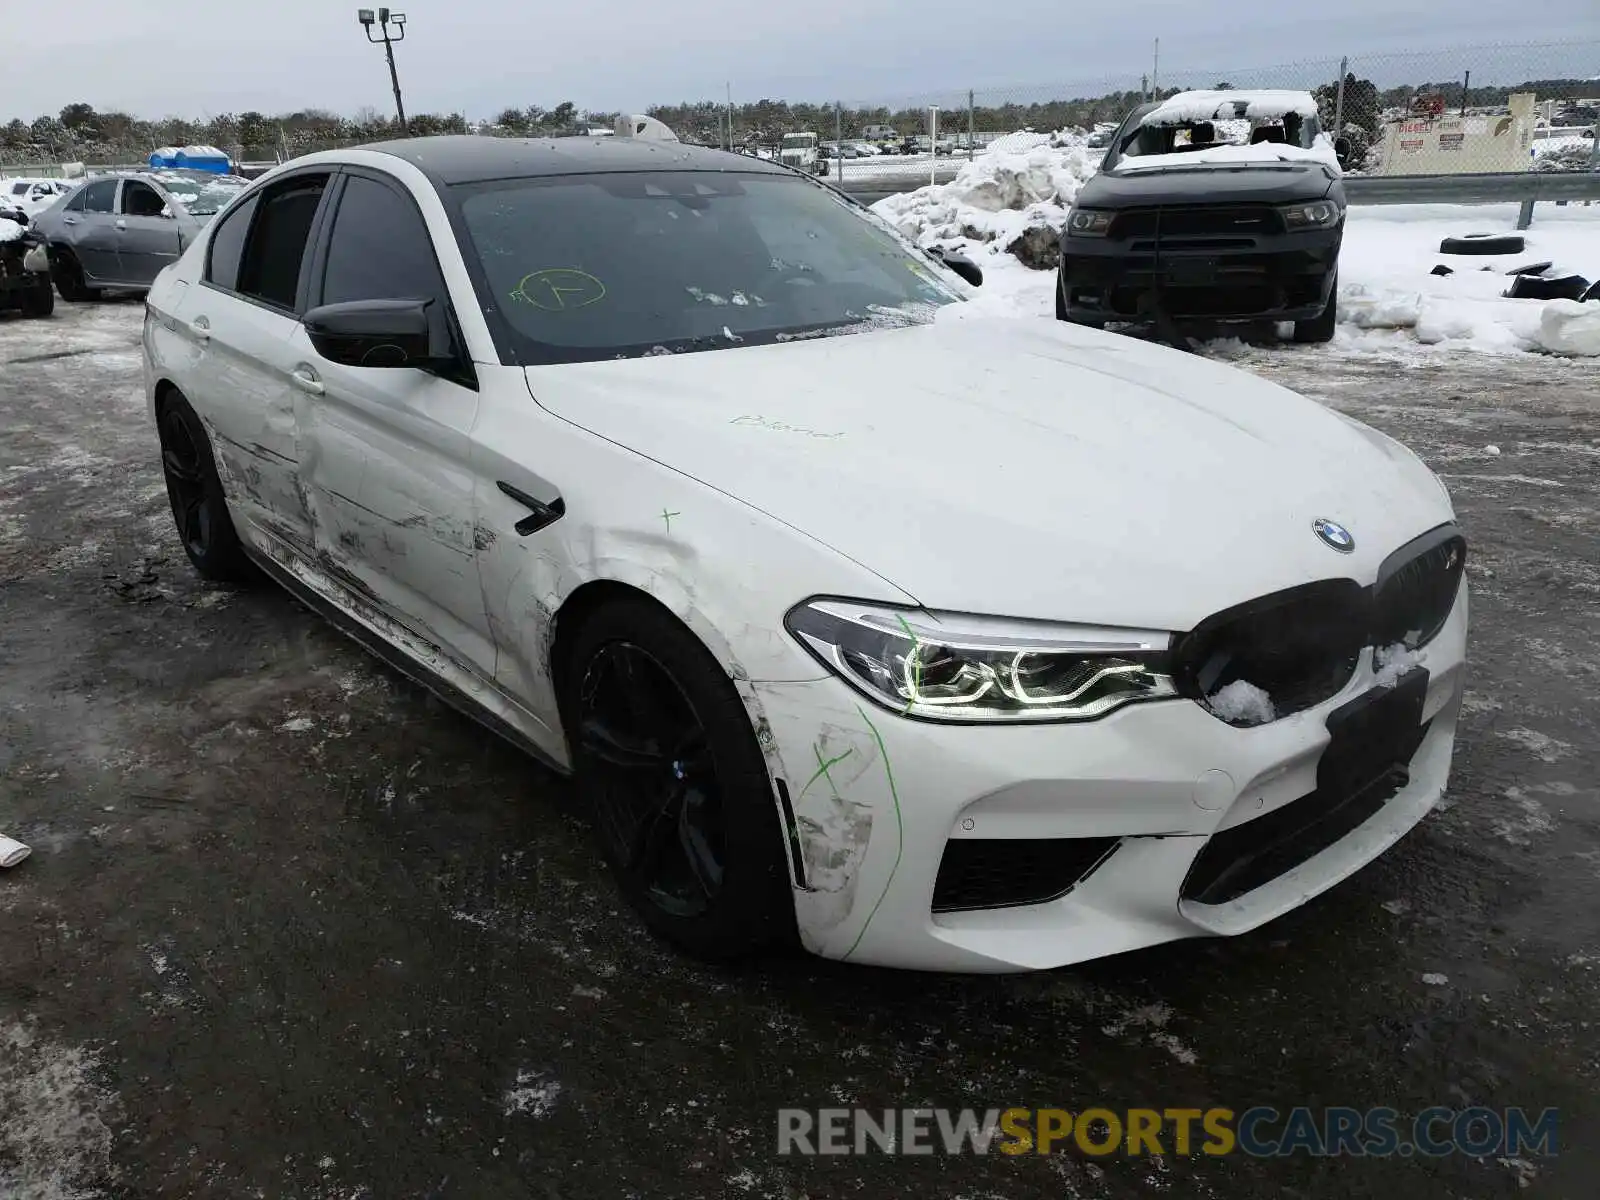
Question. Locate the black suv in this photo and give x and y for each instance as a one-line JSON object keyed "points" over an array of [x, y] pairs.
{"points": [[1247, 229]]}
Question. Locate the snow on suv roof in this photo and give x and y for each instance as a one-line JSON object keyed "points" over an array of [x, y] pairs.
{"points": [[1229, 104]]}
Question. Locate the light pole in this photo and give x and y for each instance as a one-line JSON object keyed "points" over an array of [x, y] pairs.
{"points": [[383, 19]]}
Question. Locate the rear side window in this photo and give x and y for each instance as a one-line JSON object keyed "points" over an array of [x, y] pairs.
{"points": [[100, 196], [227, 245], [274, 251], [380, 248]]}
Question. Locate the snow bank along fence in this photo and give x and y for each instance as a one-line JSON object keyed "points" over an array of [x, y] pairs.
{"points": [[1424, 127]]}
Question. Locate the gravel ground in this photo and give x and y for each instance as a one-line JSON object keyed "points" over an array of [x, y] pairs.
{"points": [[294, 929]]}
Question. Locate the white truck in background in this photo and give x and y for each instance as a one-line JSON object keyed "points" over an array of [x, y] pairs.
{"points": [[799, 150]]}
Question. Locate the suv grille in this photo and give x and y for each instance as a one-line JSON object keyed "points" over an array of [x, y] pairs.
{"points": [[1230, 221]]}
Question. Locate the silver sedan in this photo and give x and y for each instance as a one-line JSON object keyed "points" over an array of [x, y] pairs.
{"points": [[120, 231]]}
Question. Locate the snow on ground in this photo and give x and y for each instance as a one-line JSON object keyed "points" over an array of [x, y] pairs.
{"points": [[1388, 297]]}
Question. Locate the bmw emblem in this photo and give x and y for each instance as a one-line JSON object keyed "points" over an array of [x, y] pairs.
{"points": [[1333, 534]]}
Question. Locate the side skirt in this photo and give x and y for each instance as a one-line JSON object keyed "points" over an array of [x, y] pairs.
{"points": [[380, 648]]}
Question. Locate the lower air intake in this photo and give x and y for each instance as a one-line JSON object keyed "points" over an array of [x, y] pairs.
{"points": [[1007, 872]]}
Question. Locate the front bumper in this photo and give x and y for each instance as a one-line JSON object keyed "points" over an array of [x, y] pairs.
{"points": [[1279, 277], [874, 800]]}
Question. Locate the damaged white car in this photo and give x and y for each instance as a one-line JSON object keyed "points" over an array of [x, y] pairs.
{"points": [[938, 641]]}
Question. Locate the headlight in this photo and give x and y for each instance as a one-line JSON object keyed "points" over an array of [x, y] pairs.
{"points": [[950, 667], [1319, 214], [1088, 222]]}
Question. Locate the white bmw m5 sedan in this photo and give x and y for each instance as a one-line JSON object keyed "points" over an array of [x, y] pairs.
{"points": [[933, 640]]}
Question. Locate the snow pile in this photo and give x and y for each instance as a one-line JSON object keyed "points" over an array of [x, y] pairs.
{"points": [[1385, 282], [1568, 327], [1266, 104], [1242, 703], [1000, 196], [11, 230], [1389, 663]]}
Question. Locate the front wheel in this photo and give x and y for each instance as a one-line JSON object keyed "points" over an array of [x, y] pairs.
{"points": [[682, 803], [1320, 327], [40, 299], [199, 508]]}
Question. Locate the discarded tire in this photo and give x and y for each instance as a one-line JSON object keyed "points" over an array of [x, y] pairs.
{"points": [[1593, 293], [1538, 287], [1538, 268], [1441, 269], [1484, 243]]}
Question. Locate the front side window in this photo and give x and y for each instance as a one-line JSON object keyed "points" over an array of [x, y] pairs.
{"points": [[274, 251], [139, 199], [100, 196], [379, 248], [588, 267]]}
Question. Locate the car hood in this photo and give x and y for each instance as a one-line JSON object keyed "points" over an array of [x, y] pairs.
{"points": [[1022, 468], [1214, 183]]}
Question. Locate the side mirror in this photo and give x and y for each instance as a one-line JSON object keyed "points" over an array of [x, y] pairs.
{"points": [[379, 333], [959, 263], [1341, 151]]}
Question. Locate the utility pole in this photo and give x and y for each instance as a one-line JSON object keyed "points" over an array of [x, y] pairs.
{"points": [[383, 19], [1155, 72], [729, 88], [1466, 81]]}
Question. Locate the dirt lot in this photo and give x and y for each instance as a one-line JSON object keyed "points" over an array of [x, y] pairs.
{"points": [[293, 929]]}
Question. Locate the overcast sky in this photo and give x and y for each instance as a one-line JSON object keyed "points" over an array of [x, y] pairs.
{"points": [[199, 57]]}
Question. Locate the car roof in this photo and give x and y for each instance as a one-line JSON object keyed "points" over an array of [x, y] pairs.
{"points": [[470, 158]]}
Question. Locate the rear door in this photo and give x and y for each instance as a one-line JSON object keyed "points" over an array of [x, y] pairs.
{"points": [[239, 324], [147, 240], [385, 451], [92, 231]]}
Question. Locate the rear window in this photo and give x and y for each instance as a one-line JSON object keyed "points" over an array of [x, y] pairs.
{"points": [[613, 265]]}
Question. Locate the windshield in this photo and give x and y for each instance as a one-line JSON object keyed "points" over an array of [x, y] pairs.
{"points": [[590, 267], [799, 141], [1150, 138], [201, 193]]}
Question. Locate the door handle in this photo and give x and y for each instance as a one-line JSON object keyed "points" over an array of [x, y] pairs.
{"points": [[69, 220], [201, 328], [543, 514], [306, 380]]}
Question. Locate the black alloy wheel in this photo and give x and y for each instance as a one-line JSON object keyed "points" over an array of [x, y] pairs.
{"points": [[658, 800], [199, 509]]}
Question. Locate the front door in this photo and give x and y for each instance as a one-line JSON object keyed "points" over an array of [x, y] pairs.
{"points": [[93, 235], [147, 241], [384, 451]]}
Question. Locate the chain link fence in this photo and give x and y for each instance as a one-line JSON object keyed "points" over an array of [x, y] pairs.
{"points": [[1499, 108]]}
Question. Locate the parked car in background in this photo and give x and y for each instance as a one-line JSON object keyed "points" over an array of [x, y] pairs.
{"points": [[671, 545], [24, 267], [120, 231], [32, 196], [1216, 206]]}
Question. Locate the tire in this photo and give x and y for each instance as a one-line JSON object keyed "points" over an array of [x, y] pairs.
{"points": [[199, 509], [39, 300], [1484, 243], [68, 275], [682, 803], [1320, 327]]}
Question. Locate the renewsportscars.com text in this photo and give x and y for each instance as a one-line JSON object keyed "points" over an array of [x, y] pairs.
{"points": [[1261, 1131]]}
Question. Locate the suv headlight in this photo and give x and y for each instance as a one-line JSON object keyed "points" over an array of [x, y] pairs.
{"points": [[954, 667], [1319, 214], [1088, 222]]}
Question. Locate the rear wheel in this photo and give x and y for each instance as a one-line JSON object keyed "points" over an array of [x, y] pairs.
{"points": [[682, 802], [198, 507], [1320, 327], [68, 274]]}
